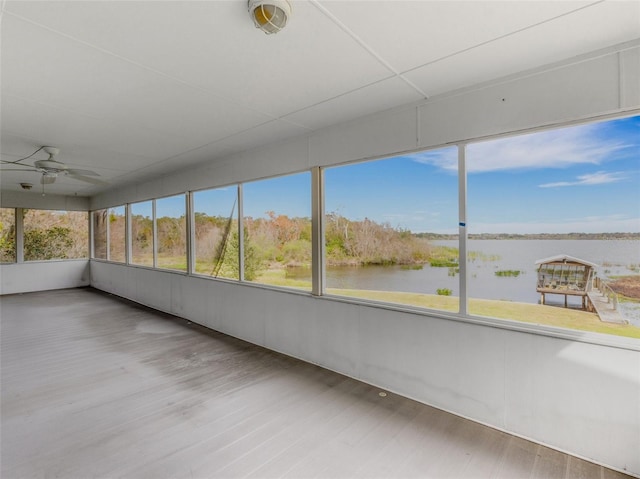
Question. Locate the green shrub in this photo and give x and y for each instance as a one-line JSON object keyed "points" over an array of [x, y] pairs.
{"points": [[508, 272], [46, 244]]}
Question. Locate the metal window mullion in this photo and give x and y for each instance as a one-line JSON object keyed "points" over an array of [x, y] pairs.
{"points": [[462, 228], [240, 234], [128, 245], [155, 234], [191, 233], [92, 250], [107, 227], [317, 232], [89, 236], [19, 225]]}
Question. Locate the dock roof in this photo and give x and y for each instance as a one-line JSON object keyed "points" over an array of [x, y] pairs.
{"points": [[566, 258]]}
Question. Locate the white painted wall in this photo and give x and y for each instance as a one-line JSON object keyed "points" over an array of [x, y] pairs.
{"points": [[43, 275], [577, 396], [32, 199]]}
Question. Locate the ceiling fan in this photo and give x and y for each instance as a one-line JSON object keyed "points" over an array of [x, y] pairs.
{"points": [[50, 168]]}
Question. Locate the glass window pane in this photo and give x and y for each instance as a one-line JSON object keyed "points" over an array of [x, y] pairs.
{"points": [[391, 230], [216, 232], [100, 234], [277, 231], [7, 235], [142, 233], [117, 234], [55, 235], [546, 212], [171, 222]]}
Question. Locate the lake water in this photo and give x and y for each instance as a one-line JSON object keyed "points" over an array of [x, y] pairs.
{"points": [[614, 257]]}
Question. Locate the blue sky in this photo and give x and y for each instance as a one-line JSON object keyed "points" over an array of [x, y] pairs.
{"points": [[578, 179], [405, 192], [144, 209], [289, 195], [584, 178], [217, 202]]}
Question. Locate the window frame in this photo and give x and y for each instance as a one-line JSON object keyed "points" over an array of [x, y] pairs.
{"points": [[156, 240], [130, 239], [92, 234], [109, 239], [192, 232], [321, 185], [15, 235], [241, 229], [20, 230]]}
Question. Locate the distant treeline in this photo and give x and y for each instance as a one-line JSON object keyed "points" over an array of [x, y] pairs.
{"points": [[535, 236], [282, 240]]}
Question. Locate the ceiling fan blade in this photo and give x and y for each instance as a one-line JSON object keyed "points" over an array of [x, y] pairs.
{"points": [[88, 179], [75, 171], [47, 180]]}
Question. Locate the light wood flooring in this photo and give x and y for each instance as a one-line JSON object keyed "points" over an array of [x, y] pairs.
{"points": [[97, 387]]}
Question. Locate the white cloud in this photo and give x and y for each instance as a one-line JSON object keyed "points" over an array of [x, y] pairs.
{"points": [[558, 148], [446, 159], [598, 178]]}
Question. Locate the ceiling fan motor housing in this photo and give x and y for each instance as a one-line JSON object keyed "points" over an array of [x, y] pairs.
{"points": [[50, 165], [52, 150]]}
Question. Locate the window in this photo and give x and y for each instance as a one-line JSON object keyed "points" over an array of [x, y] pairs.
{"points": [[55, 235], [548, 212], [142, 233], [277, 231], [216, 232], [99, 234], [391, 230], [117, 234], [7, 235], [171, 226]]}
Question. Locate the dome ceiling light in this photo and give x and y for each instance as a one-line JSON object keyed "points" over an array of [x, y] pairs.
{"points": [[270, 16]]}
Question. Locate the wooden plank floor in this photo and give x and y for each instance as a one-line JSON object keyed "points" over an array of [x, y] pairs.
{"points": [[95, 386]]}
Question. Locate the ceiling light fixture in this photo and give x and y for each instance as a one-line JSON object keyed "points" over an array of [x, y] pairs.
{"points": [[270, 16]]}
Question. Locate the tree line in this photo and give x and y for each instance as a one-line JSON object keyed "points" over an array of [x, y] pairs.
{"points": [[276, 241], [534, 236], [47, 235], [272, 241]]}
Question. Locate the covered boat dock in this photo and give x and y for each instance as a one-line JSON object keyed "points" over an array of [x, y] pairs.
{"points": [[566, 275]]}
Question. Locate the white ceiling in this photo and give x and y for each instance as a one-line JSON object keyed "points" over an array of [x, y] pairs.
{"points": [[137, 89]]}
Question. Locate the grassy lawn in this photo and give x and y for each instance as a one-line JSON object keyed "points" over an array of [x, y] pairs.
{"points": [[525, 312], [277, 277]]}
